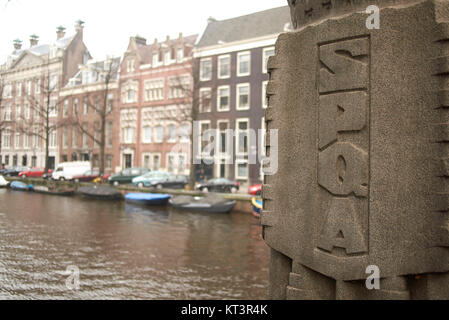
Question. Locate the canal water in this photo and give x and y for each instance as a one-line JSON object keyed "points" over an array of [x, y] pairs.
{"points": [[126, 251]]}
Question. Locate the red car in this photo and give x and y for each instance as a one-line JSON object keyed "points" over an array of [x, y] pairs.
{"points": [[255, 190], [90, 176], [33, 173]]}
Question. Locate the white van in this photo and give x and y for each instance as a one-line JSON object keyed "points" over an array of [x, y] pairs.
{"points": [[68, 170]]}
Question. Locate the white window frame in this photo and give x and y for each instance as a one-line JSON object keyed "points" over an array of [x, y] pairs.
{"points": [[201, 69], [239, 55], [264, 94], [201, 109], [144, 140], [27, 111], [219, 109], [237, 140], [265, 60], [156, 139], [169, 138], [149, 86], [180, 57], [222, 153], [228, 56], [237, 94], [237, 170], [200, 138]]}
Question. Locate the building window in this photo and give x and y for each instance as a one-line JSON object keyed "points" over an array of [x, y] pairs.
{"points": [[53, 108], [267, 53], [17, 140], [155, 60], [182, 163], [75, 107], [7, 113], [28, 88], [129, 135], [205, 100], [14, 160], [178, 86], [224, 67], [171, 163], [109, 134], [7, 160], [26, 141], [146, 161], [156, 162], [244, 64], [264, 94], [35, 137], [130, 92], [159, 137], [65, 137], [184, 132], [203, 137], [243, 96], [7, 91], [242, 170], [154, 90], [206, 69], [96, 161], [172, 137], [223, 98], [53, 139], [19, 89], [109, 161], [74, 137], [222, 125], [27, 111], [146, 134], [85, 136], [18, 112], [242, 136], [37, 86], [34, 161], [180, 54], [85, 107], [6, 141], [65, 111], [53, 82], [167, 57], [130, 65]]}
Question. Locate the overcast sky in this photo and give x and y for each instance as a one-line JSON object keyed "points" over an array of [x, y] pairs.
{"points": [[110, 23]]}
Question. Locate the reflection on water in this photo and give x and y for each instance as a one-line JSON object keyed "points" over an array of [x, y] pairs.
{"points": [[126, 251]]}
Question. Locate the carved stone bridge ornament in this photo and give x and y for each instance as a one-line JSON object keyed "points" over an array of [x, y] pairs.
{"points": [[363, 179]]}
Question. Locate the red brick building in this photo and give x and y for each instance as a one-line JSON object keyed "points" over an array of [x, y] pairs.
{"points": [[155, 89], [90, 96]]}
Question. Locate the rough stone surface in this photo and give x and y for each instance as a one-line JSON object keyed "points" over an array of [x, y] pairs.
{"points": [[363, 179]]}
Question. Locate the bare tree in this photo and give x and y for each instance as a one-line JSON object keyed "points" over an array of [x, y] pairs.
{"points": [[102, 106], [44, 105]]}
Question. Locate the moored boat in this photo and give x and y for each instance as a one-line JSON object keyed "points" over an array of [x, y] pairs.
{"points": [[20, 186], [212, 204], [100, 192], [257, 206], [3, 182], [148, 198], [54, 191]]}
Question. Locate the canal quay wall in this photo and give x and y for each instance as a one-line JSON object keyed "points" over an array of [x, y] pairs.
{"points": [[243, 200]]}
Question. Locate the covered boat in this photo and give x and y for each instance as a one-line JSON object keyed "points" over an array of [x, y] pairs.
{"points": [[257, 206], [211, 203], [148, 198], [61, 191], [18, 185], [3, 182], [100, 192]]}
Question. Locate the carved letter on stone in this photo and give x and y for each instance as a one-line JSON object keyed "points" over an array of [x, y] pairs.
{"points": [[341, 65], [342, 229], [343, 170], [341, 112]]}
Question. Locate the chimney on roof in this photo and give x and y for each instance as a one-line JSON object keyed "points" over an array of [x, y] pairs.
{"points": [[155, 41], [167, 39], [140, 40], [211, 19], [79, 26], [17, 44], [34, 40], [180, 35], [60, 32]]}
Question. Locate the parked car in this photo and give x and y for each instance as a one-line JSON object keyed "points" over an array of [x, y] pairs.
{"points": [[160, 180], [91, 175], [127, 176], [14, 171], [33, 173], [255, 190], [68, 170], [219, 185]]}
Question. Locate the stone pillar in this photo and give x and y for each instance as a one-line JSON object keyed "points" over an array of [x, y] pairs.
{"points": [[363, 168]]}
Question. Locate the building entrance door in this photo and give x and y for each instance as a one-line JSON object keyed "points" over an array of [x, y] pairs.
{"points": [[127, 160]]}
